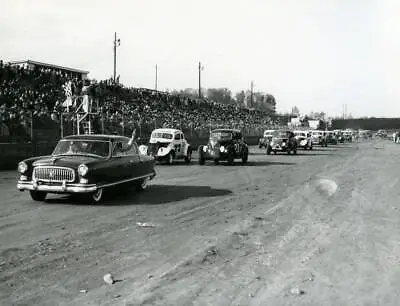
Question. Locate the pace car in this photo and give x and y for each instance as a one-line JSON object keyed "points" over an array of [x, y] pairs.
{"points": [[86, 164]]}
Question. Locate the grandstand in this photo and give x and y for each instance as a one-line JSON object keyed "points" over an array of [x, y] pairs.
{"points": [[32, 98]]}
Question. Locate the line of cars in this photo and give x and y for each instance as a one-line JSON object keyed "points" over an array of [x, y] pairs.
{"points": [[88, 164]]}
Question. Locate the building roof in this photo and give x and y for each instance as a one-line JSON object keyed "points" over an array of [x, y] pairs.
{"points": [[48, 65]]}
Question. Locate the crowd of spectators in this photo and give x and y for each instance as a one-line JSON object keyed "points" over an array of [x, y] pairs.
{"points": [[39, 93]]}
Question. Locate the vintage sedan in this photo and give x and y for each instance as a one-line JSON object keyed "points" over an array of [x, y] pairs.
{"points": [[283, 141], [224, 145], [86, 164], [304, 140]]}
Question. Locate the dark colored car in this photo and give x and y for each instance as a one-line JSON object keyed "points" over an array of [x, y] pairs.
{"points": [[86, 164], [224, 145], [283, 141], [331, 138]]}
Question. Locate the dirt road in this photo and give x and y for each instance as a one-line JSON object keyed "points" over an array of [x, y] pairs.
{"points": [[320, 228]]}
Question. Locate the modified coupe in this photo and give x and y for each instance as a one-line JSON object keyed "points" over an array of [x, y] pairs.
{"points": [[224, 145], [283, 141], [86, 164], [168, 145]]}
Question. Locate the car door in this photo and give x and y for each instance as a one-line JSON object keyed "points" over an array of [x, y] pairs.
{"points": [[183, 144], [236, 137], [177, 144], [136, 168], [120, 161]]}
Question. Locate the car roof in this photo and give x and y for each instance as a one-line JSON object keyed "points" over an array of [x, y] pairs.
{"points": [[101, 137], [226, 130], [169, 131]]}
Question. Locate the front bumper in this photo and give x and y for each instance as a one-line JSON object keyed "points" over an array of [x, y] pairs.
{"points": [[56, 188], [279, 147]]}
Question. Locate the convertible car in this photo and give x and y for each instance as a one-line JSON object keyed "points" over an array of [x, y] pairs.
{"points": [[86, 164]]}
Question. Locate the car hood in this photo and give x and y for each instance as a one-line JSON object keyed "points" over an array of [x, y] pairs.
{"points": [[280, 139], [214, 143], [72, 161]]}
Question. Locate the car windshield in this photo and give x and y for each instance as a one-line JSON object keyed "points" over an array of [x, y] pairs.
{"points": [[221, 135], [82, 147], [161, 135], [280, 134]]}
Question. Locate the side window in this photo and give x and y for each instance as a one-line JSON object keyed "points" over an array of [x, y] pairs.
{"points": [[118, 149], [177, 137], [134, 150], [182, 137]]}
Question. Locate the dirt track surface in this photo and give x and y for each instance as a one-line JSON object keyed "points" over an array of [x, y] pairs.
{"points": [[325, 222]]}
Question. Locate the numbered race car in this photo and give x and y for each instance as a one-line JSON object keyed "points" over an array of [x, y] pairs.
{"points": [[168, 145], [266, 139], [86, 164], [303, 140], [224, 145], [283, 141]]}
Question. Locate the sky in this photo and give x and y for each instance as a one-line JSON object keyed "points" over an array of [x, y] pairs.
{"points": [[316, 55]]}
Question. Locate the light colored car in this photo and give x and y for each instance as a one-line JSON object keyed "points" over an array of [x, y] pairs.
{"points": [[266, 139], [303, 140], [318, 138], [168, 145]]}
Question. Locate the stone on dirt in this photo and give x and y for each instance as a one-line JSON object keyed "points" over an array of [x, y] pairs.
{"points": [[109, 279], [296, 291]]}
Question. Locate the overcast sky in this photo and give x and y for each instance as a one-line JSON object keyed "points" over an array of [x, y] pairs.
{"points": [[313, 54]]}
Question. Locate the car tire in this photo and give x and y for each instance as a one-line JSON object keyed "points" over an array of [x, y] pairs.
{"points": [[231, 158], [142, 184], [170, 158], [97, 196], [188, 157], [202, 160], [38, 195], [245, 156]]}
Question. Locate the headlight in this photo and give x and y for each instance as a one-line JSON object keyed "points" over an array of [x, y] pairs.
{"points": [[83, 170], [22, 167], [221, 149], [205, 149]]}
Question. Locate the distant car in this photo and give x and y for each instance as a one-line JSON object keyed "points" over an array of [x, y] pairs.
{"points": [[86, 164], [381, 133], [331, 138], [168, 145], [224, 145], [283, 141], [266, 139], [318, 138], [304, 140]]}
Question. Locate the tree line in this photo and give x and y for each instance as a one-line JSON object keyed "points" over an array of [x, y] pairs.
{"points": [[244, 98]]}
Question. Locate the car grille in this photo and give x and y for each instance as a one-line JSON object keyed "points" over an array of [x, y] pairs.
{"points": [[53, 174]]}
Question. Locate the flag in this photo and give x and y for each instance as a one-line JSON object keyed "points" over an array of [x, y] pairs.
{"points": [[68, 94]]}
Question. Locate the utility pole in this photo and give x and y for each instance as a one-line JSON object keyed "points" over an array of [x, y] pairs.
{"points": [[117, 43], [200, 69], [251, 93], [156, 76]]}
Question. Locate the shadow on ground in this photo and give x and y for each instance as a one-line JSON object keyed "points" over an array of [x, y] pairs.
{"points": [[154, 194]]}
